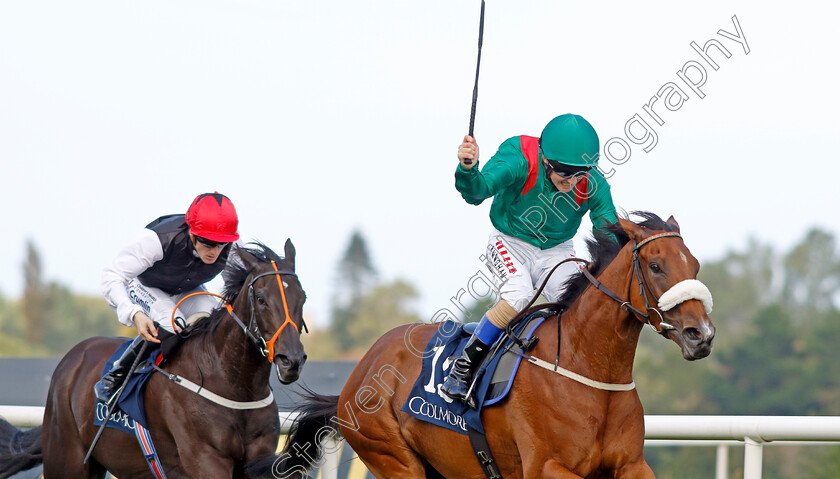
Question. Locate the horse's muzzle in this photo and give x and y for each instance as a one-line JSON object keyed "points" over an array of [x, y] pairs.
{"points": [[697, 342], [289, 367]]}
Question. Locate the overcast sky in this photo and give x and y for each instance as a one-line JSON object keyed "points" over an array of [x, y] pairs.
{"points": [[320, 117]]}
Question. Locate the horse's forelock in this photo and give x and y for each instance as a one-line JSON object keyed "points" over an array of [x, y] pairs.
{"points": [[652, 221]]}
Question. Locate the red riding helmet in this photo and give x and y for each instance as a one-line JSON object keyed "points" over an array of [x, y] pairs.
{"points": [[212, 216]]}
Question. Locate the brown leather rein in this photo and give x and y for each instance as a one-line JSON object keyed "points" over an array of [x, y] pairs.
{"points": [[625, 305]]}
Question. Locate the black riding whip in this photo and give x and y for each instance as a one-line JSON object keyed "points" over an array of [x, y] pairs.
{"points": [[477, 68], [114, 399]]}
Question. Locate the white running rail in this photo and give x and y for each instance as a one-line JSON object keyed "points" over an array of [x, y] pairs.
{"points": [[752, 431]]}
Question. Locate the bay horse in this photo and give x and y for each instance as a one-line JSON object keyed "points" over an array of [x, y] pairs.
{"points": [[194, 437], [549, 426]]}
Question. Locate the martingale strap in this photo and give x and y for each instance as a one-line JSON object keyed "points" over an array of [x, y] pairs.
{"points": [[579, 378], [213, 397]]}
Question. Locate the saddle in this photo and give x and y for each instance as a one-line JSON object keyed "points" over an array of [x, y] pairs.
{"points": [[510, 356], [492, 380]]}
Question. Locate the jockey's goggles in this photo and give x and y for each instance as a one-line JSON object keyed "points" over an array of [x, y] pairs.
{"points": [[210, 243], [566, 171]]}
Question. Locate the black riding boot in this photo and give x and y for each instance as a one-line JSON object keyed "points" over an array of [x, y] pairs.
{"points": [[460, 376], [109, 383]]}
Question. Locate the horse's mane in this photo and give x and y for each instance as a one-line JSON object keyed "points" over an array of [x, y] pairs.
{"points": [[603, 247], [234, 275]]}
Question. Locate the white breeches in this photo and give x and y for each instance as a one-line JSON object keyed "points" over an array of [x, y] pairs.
{"points": [[158, 305], [519, 268]]}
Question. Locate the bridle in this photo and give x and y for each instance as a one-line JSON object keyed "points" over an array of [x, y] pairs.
{"points": [[644, 288], [252, 329], [637, 272]]}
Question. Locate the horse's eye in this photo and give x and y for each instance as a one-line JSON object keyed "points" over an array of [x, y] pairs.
{"points": [[261, 300], [655, 268]]}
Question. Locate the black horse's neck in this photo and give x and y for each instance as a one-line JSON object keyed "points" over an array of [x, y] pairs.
{"points": [[231, 351], [239, 357], [223, 359]]}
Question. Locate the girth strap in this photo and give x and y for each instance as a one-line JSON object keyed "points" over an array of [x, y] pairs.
{"points": [[481, 448]]}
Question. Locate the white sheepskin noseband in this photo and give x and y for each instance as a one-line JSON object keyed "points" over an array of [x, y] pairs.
{"points": [[685, 290]]}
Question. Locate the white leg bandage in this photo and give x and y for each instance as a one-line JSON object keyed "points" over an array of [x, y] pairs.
{"points": [[685, 290]]}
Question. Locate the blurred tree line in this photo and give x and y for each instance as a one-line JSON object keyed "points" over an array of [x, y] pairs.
{"points": [[778, 327], [49, 319], [363, 307], [776, 313]]}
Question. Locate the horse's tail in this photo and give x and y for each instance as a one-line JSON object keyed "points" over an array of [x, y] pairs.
{"points": [[312, 425], [19, 449], [303, 445]]}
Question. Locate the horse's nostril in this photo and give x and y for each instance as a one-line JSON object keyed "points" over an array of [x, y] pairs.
{"points": [[692, 334]]}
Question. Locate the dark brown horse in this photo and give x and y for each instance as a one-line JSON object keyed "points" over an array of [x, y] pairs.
{"points": [[550, 426], [194, 437]]}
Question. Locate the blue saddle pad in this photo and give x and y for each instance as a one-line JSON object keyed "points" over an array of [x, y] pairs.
{"points": [[130, 407], [427, 403]]}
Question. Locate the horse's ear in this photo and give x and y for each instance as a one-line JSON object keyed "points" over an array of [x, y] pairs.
{"points": [[672, 222], [289, 248], [633, 230]]}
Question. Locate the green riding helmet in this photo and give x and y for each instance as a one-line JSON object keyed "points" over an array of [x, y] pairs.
{"points": [[570, 139]]}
